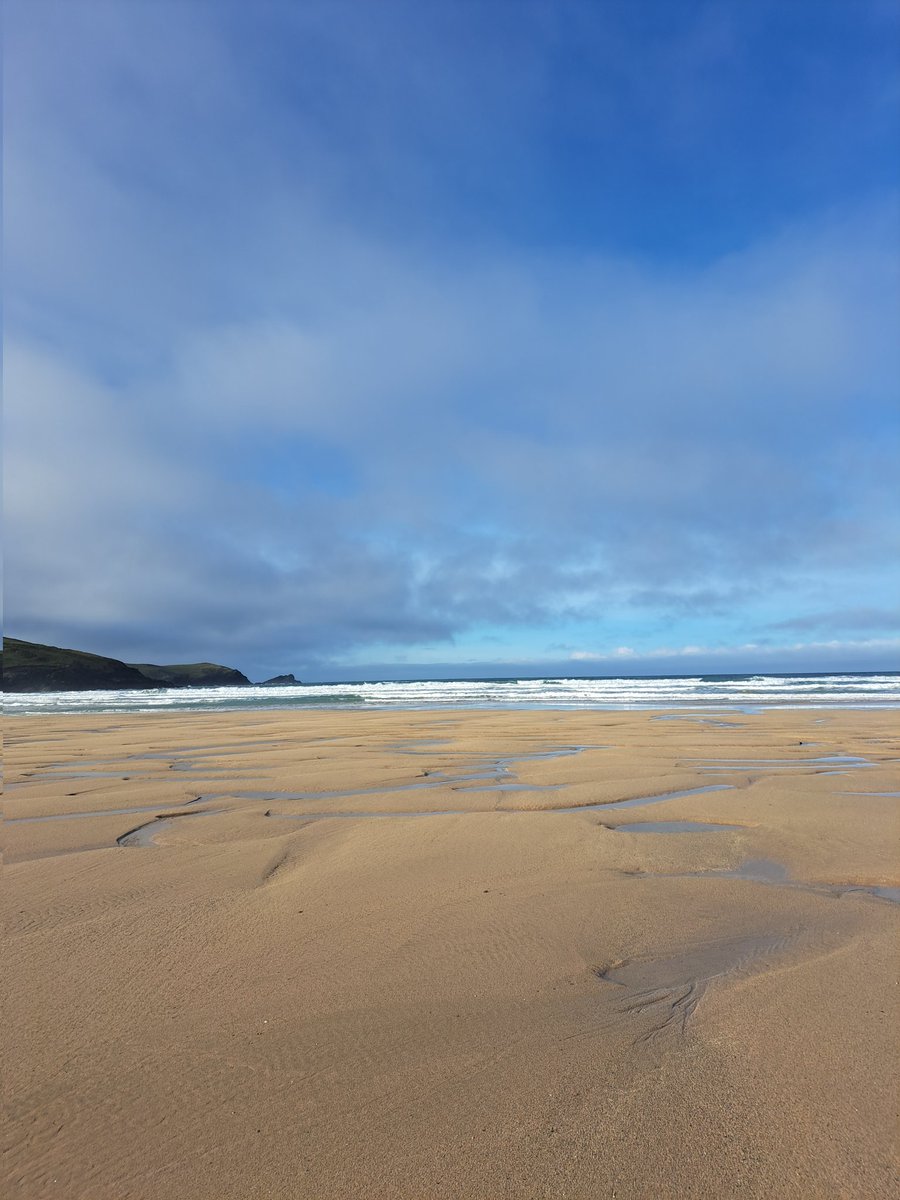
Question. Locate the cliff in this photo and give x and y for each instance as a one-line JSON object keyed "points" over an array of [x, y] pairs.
{"points": [[31, 667], [192, 675]]}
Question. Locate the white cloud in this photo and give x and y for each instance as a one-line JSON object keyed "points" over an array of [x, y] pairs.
{"points": [[750, 651]]}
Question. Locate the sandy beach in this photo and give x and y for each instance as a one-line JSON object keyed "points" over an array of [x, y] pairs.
{"points": [[434, 954]]}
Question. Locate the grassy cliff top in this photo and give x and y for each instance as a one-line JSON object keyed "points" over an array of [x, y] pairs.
{"points": [[33, 667]]}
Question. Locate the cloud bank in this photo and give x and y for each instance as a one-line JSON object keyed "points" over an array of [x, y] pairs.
{"points": [[259, 415]]}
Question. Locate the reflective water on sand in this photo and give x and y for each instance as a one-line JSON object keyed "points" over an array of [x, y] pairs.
{"points": [[639, 801], [729, 765]]}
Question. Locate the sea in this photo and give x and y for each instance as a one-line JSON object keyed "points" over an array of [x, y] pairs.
{"points": [[744, 693]]}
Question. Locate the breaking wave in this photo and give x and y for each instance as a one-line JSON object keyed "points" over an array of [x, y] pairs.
{"points": [[746, 692]]}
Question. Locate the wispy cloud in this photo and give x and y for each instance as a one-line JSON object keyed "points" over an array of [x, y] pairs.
{"points": [[751, 651], [843, 618]]}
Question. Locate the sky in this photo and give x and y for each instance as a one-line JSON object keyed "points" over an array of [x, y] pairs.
{"points": [[464, 338]]}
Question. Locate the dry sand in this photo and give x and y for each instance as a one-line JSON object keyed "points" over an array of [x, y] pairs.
{"points": [[494, 1001]]}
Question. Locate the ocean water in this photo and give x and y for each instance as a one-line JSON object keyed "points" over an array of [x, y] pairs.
{"points": [[700, 692]]}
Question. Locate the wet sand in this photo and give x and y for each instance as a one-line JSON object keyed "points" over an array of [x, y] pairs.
{"points": [[432, 955]]}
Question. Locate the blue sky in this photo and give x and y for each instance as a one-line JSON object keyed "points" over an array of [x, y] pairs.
{"points": [[384, 339]]}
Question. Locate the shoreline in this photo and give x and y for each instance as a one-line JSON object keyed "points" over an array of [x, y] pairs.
{"points": [[434, 953], [744, 693]]}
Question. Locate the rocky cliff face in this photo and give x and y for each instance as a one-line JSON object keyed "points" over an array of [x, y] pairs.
{"points": [[31, 667], [192, 675]]}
